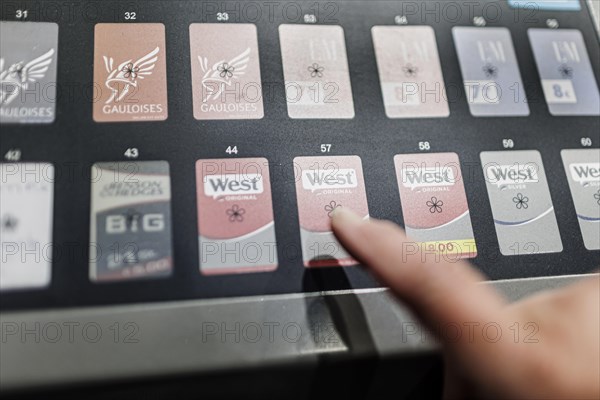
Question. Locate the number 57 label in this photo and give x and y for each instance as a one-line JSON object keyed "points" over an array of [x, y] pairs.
{"points": [[559, 91]]}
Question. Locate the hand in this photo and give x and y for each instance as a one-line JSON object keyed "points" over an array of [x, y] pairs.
{"points": [[565, 361]]}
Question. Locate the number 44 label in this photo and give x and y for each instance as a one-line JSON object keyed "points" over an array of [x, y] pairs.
{"points": [[559, 91]]}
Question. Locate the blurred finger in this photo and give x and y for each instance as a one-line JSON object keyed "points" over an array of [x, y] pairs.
{"points": [[439, 290]]}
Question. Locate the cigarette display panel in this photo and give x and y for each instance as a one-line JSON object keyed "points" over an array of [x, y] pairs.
{"points": [[216, 119]]}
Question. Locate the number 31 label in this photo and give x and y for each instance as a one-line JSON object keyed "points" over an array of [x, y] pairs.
{"points": [[559, 91]]}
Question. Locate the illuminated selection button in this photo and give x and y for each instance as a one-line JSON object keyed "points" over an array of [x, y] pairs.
{"points": [[490, 70], [558, 5], [28, 58], [315, 68], [235, 216], [130, 72], [26, 207], [410, 72], [130, 222], [434, 203], [322, 185], [521, 205], [565, 70], [225, 71], [582, 167]]}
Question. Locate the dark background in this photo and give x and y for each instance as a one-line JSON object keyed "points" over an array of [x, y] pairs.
{"points": [[74, 142]]}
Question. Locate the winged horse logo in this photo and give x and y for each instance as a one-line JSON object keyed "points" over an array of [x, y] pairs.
{"points": [[19, 75], [127, 75], [222, 73]]}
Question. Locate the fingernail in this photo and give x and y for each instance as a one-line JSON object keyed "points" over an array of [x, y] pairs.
{"points": [[345, 218]]}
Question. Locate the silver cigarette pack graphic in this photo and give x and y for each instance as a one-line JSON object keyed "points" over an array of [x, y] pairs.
{"points": [[521, 204], [26, 207], [582, 167], [568, 80], [130, 226], [490, 71], [28, 57]]}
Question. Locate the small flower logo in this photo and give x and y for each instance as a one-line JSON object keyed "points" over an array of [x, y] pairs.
{"points": [[329, 208], [410, 70], [226, 70], [16, 69], [316, 71], [130, 72], [235, 213], [9, 223], [132, 217], [521, 201], [490, 70], [131, 256], [597, 197], [435, 205], [565, 71]]}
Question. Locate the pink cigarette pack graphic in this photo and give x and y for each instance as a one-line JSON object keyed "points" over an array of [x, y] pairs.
{"points": [[434, 203], [322, 185], [225, 71], [235, 216]]}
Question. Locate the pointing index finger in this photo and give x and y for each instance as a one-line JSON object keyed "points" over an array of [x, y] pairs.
{"points": [[439, 290]]}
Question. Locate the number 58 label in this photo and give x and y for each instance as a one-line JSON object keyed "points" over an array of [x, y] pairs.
{"points": [[559, 91]]}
